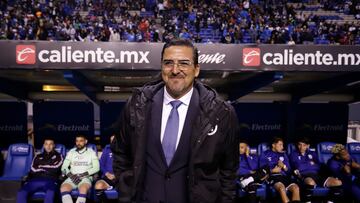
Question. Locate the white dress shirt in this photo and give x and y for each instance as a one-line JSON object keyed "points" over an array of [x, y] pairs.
{"points": [[182, 109]]}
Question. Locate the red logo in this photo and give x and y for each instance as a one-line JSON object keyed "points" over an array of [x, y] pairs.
{"points": [[25, 54], [251, 57]]}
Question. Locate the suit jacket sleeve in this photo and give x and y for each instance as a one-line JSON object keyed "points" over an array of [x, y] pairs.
{"points": [[230, 161], [122, 158]]}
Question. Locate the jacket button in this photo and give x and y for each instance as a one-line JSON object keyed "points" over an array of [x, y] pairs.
{"points": [[167, 176]]}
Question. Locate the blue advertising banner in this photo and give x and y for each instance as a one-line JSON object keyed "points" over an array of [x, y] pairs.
{"points": [[260, 122], [322, 122], [13, 123], [109, 115], [65, 120]]}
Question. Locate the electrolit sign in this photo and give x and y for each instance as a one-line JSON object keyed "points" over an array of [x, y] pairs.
{"points": [[64, 120], [260, 122], [322, 122]]}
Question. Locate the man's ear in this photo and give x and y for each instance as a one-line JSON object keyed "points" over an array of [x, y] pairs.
{"points": [[197, 70]]}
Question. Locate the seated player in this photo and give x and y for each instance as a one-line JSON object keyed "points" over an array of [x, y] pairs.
{"points": [[250, 175], [347, 170], [306, 167], [279, 165], [44, 174], [83, 163], [108, 180]]}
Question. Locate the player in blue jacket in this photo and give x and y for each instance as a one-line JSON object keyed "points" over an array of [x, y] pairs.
{"points": [[306, 167], [279, 165], [108, 180], [249, 173], [347, 170]]}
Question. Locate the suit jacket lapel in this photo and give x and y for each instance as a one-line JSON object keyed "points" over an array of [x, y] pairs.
{"points": [[156, 113]]}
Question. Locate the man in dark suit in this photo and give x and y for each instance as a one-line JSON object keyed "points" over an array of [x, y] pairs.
{"points": [[178, 140]]}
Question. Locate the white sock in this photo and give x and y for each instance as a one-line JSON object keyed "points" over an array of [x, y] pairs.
{"points": [[246, 182], [81, 200], [66, 198]]}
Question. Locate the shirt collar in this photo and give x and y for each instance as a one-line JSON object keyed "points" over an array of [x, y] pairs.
{"points": [[184, 99]]}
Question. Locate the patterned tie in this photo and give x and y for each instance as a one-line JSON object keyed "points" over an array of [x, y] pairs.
{"points": [[171, 132]]}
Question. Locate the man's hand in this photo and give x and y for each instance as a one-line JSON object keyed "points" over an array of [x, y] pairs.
{"points": [[347, 169], [74, 178], [110, 176], [277, 169], [281, 164], [83, 175], [355, 165], [247, 152], [297, 173]]}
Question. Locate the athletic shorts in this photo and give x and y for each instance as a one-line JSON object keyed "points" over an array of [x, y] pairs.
{"points": [[87, 180], [286, 180], [319, 180]]}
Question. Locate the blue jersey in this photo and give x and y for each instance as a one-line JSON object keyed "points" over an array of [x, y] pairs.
{"points": [[336, 168], [106, 161], [247, 164], [306, 164], [271, 159]]}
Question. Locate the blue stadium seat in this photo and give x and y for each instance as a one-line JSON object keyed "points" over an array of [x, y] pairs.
{"points": [[324, 151], [18, 161], [290, 148], [262, 147], [93, 147], [111, 194], [354, 150], [59, 148]]}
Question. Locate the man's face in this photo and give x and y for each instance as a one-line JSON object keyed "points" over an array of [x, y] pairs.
{"points": [[49, 146], [80, 142], [278, 147], [178, 70], [302, 147], [242, 148], [344, 155]]}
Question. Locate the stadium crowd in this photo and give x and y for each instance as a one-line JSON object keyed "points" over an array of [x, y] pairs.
{"points": [[225, 21]]}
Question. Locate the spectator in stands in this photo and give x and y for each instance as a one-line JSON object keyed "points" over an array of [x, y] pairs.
{"points": [[346, 169], [44, 174], [279, 165], [108, 180], [306, 167], [80, 164], [249, 173], [155, 158], [251, 21]]}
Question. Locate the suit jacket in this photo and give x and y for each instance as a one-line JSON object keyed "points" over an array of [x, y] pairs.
{"points": [[213, 159]]}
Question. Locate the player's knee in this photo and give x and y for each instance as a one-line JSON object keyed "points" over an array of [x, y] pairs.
{"points": [[99, 185], [65, 188], [309, 182], [83, 188], [294, 188]]}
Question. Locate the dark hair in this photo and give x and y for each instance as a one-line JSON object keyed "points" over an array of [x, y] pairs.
{"points": [[276, 140], [243, 141], [303, 140], [81, 135], [182, 42], [49, 138]]}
